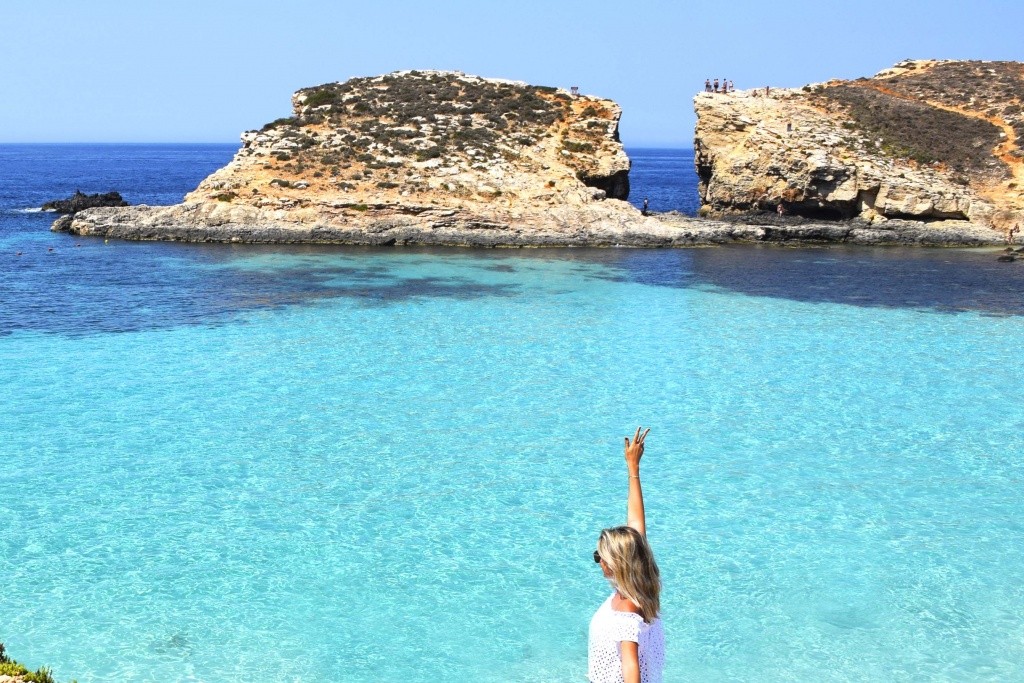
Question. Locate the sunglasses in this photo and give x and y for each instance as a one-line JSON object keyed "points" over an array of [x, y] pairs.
{"points": [[597, 557]]}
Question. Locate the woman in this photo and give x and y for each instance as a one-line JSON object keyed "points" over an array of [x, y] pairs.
{"points": [[627, 642]]}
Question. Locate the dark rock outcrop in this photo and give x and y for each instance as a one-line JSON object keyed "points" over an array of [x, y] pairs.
{"points": [[79, 201], [615, 186]]}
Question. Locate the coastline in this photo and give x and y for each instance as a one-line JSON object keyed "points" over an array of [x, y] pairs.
{"points": [[443, 158], [670, 230]]}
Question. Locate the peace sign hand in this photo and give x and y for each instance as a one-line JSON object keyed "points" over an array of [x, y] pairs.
{"points": [[635, 450]]}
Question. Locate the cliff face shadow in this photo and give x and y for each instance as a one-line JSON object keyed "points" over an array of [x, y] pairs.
{"points": [[940, 280]]}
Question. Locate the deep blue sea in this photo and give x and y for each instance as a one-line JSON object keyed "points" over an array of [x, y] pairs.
{"points": [[235, 463]]}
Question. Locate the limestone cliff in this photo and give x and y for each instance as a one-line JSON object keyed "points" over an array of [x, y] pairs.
{"points": [[924, 140], [411, 157]]}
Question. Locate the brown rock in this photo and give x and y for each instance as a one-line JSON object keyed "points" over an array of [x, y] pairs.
{"points": [[923, 141], [411, 157]]}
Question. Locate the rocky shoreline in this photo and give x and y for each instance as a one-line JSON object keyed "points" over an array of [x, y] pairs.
{"points": [[570, 229], [770, 229]]}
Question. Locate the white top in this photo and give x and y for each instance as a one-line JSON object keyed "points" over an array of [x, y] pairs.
{"points": [[610, 627]]}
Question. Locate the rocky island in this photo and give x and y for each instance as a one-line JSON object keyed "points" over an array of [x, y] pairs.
{"points": [[935, 145], [412, 157], [927, 152]]}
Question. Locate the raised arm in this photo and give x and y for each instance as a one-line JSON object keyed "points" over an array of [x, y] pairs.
{"points": [[635, 497]]}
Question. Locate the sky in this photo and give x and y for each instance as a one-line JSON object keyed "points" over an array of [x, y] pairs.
{"points": [[189, 71]]}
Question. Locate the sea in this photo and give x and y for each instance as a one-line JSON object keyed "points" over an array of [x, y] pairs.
{"points": [[318, 463]]}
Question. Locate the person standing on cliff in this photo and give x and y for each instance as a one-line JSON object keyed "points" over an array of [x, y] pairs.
{"points": [[716, 85], [707, 85], [643, 211]]}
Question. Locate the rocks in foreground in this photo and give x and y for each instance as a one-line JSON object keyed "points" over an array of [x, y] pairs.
{"points": [[12, 671], [80, 201], [1010, 255]]}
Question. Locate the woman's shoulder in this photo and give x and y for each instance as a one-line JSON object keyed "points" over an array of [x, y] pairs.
{"points": [[624, 606], [629, 620]]}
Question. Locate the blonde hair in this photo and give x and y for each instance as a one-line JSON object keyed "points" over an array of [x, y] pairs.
{"points": [[634, 571]]}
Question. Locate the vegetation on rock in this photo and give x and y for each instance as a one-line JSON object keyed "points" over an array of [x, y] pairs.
{"points": [[21, 673], [427, 115], [911, 129], [924, 140], [995, 89], [370, 134]]}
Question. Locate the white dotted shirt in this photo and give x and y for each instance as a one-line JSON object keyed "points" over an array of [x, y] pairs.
{"points": [[608, 629]]}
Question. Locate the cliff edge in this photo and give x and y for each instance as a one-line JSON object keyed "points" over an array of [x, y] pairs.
{"points": [[426, 157], [926, 141]]}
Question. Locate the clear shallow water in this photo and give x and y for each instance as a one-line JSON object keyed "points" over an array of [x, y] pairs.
{"points": [[224, 463]]}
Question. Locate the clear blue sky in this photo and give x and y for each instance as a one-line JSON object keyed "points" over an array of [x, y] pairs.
{"points": [[190, 71]]}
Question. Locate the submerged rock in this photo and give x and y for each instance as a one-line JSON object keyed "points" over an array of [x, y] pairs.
{"points": [[80, 201]]}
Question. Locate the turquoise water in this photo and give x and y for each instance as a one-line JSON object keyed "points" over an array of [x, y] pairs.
{"points": [[409, 488], [315, 464]]}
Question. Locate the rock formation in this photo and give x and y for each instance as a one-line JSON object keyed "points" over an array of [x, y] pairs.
{"points": [[80, 201], [412, 157], [924, 140], [431, 157]]}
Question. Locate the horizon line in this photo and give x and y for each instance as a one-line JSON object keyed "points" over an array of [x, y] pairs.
{"points": [[166, 142]]}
